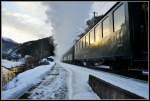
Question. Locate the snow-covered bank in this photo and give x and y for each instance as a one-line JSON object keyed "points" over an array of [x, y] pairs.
{"points": [[9, 64], [24, 81], [80, 83]]}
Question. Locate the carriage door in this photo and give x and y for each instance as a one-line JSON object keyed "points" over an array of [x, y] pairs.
{"points": [[139, 15]]}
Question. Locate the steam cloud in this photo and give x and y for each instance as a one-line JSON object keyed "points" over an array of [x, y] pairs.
{"points": [[68, 21]]}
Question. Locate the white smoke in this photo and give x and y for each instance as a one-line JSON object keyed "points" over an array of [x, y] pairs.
{"points": [[68, 21]]}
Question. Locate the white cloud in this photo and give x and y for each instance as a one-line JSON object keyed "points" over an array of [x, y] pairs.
{"points": [[35, 9], [27, 24], [21, 35]]}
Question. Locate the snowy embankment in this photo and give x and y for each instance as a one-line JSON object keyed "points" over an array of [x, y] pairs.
{"points": [[9, 64], [78, 84], [80, 77], [26, 80]]}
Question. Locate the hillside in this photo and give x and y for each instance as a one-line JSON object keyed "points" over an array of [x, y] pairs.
{"points": [[38, 49], [7, 46]]}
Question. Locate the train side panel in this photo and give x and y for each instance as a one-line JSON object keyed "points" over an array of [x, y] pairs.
{"points": [[119, 39]]}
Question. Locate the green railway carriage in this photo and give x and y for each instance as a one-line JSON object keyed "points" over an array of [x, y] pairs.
{"points": [[119, 39]]}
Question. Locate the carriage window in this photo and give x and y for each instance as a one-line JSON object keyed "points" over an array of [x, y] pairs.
{"points": [[88, 39], [85, 41], [98, 33], [76, 48], [71, 57], [78, 45], [82, 42], [92, 37], [106, 27], [119, 18]]}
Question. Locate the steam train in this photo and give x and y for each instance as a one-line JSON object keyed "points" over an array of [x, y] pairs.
{"points": [[119, 39]]}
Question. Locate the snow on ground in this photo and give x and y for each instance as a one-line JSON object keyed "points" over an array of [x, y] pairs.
{"points": [[24, 81], [54, 86], [10, 64], [65, 81], [80, 78], [78, 84]]}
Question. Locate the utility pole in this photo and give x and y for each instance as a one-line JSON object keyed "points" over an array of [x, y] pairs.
{"points": [[94, 13]]}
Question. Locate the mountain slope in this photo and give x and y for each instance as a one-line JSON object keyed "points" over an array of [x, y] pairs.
{"points": [[7, 45], [39, 48]]}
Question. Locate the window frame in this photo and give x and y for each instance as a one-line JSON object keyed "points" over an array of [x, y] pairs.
{"points": [[82, 43], [102, 29], [107, 17], [78, 45], [99, 27], [76, 48], [85, 40], [92, 36], [89, 38], [113, 13]]}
